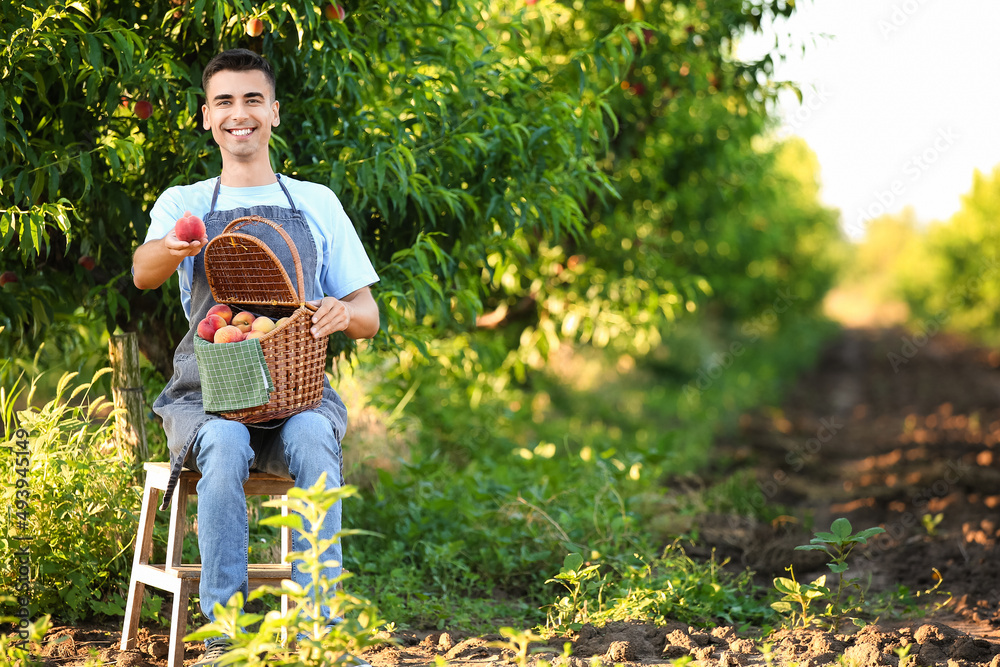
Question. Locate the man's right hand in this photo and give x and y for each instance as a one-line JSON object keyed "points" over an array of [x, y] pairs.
{"points": [[179, 248], [155, 261]]}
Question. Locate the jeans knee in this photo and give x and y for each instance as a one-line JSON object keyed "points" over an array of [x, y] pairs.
{"points": [[308, 439], [223, 446]]}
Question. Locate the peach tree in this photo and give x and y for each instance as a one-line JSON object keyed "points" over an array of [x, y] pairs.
{"points": [[434, 122]]}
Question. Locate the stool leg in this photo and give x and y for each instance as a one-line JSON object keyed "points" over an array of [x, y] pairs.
{"points": [[143, 549], [178, 624], [178, 523]]}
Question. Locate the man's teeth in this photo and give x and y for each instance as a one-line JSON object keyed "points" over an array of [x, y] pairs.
{"points": [[241, 133]]}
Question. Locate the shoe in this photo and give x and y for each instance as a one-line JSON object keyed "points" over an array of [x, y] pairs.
{"points": [[213, 654]]}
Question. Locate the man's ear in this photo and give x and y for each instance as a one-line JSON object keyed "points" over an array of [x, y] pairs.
{"points": [[204, 117], [277, 118]]}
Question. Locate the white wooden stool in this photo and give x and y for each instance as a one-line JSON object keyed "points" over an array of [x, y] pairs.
{"points": [[178, 578]]}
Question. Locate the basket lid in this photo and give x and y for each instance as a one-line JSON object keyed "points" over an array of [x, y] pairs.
{"points": [[242, 269]]}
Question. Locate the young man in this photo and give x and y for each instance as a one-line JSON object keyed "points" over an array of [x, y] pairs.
{"points": [[240, 110]]}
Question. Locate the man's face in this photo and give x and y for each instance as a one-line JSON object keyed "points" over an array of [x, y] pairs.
{"points": [[240, 110]]}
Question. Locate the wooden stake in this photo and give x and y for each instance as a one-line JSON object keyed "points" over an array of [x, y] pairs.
{"points": [[126, 388]]}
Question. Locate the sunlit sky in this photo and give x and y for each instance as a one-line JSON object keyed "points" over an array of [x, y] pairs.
{"points": [[901, 100]]}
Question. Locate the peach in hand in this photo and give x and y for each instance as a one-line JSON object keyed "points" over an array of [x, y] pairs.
{"points": [[189, 227]]}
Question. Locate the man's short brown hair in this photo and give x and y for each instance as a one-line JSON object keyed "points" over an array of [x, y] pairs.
{"points": [[237, 60]]}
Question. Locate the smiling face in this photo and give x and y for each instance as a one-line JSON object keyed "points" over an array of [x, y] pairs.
{"points": [[240, 110]]}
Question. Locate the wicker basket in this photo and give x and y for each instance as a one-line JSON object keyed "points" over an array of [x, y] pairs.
{"points": [[243, 272]]}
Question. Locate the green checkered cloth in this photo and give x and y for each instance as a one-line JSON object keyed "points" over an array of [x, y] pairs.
{"points": [[234, 376]]}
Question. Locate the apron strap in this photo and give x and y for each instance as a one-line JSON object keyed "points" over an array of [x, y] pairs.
{"points": [[287, 194], [215, 195]]}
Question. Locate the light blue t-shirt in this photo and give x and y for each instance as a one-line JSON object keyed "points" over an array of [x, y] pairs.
{"points": [[343, 264]]}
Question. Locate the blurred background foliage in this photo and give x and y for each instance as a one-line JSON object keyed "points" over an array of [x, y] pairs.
{"points": [[594, 255]]}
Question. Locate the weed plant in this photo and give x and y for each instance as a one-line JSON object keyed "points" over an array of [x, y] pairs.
{"points": [[670, 587], [300, 637], [798, 598]]}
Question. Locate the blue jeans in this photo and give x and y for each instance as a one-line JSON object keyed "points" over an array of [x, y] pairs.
{"points": [[224, 452]]}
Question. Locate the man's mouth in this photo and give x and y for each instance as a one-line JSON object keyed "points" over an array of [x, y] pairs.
{"points": [[241, 132]]}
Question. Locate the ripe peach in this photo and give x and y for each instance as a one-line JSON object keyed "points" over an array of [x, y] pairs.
{"points": [[143, 109], [208, 326], [189, 228], [243, 320], [87, 262], [223, 311], [7, 277], [228, 334], [280, 322], [254, 27], [335, 11], [254, 334], [262, 324]]}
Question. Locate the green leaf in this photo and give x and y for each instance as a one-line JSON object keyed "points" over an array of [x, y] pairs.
{"points": [[785, 585], [841, 528], [572, 562], [868, 533]]}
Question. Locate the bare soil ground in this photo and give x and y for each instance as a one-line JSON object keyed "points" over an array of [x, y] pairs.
{"points": [[888, 429]]}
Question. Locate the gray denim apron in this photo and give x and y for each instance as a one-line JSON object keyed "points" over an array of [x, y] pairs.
{"points": [[180, 403]]}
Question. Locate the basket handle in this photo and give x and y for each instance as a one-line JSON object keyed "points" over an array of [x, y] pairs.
{"points": [[240, 223]]}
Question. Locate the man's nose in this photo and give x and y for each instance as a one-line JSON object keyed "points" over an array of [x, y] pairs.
{"points": [[238, 111]]}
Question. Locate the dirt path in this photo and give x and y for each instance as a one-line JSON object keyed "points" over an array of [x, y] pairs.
{"points": [[899, 431], [888, 429]]}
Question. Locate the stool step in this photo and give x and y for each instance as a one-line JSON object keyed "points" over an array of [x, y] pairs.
{"points": [[172, 578]]}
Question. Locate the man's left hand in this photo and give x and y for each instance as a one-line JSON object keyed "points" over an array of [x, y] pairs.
{"points": [[331, 315]]}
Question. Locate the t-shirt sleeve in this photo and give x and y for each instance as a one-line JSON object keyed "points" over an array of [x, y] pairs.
{"points": [[162, 218], [346, 266]]}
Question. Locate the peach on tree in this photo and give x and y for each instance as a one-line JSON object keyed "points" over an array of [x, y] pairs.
{"points": [[143, 109], [255, 27], [335, 11]]}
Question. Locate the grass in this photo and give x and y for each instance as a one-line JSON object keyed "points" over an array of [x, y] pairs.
{"points": [[504, 479]]}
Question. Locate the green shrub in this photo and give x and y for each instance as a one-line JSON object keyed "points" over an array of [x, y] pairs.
{"points": [[73, 502]]}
